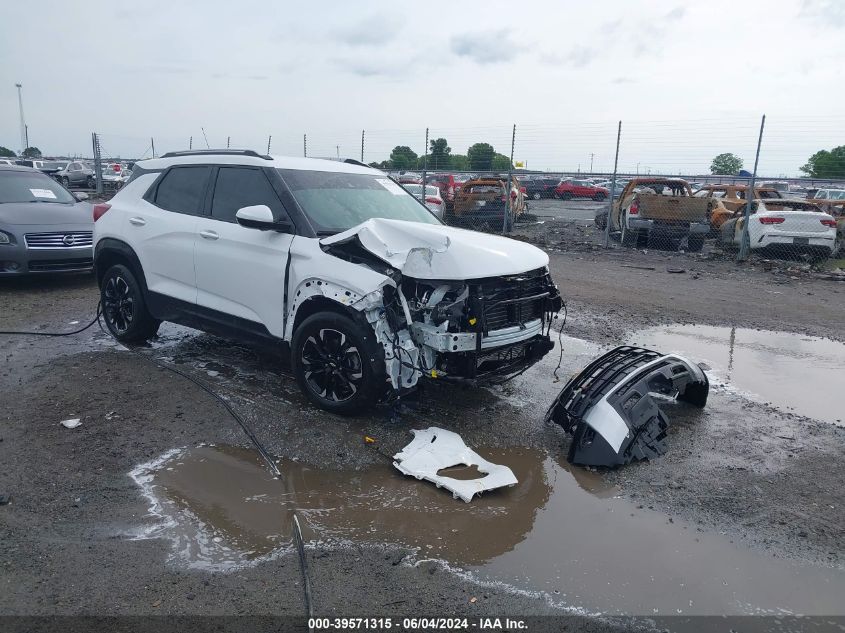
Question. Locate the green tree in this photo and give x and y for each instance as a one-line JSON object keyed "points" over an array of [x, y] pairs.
{"points": [[459, 162], [5, 152], [501, 162], [31, 152], [826, 164], [480, 156], [726, 164], [403, 157], [440, 154]]}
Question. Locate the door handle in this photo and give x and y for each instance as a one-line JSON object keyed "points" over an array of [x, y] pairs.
{"points": [[137, 221], [209, 235]]}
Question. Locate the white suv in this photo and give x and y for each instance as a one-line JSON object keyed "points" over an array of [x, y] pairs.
{"points": [[365, 288]]}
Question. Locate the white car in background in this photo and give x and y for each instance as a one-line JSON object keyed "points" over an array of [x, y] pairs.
{"points": [[433, 200], [793, 226]]}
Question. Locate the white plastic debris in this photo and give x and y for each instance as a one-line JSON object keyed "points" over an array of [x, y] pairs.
{"points": [[71, 424], [434, 449]]}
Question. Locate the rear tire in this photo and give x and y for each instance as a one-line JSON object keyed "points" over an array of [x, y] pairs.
{"points": [[124, 309], [338, 364], [90, 182], [566, 196], [599, 197]]}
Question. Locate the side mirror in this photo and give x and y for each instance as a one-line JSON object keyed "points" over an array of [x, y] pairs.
{"points": [[80, 196], [260, 217]]}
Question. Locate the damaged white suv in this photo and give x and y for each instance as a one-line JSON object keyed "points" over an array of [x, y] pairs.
{"points": [[367, 289]]}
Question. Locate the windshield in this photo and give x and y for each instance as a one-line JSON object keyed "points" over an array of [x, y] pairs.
{"points": [[22, 186], [336, 201]]}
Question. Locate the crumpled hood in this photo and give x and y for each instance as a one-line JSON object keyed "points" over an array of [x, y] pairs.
{"points": [[434, 251]]}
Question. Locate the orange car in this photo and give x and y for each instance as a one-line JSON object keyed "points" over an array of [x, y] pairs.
{"points": [[729, 198]]}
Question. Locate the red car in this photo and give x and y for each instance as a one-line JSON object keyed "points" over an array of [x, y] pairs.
{"points": [[568, 189], [448, 185]]}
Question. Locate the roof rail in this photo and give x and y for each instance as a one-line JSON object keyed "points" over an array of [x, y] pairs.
{"points": [[211, 152]]}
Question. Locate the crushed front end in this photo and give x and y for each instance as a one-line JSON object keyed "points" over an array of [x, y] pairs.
{"points": [[476, 329]]}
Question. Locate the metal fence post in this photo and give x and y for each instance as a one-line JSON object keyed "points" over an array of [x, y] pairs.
{"points": [[153, 145], [745, 245], [362, 146], [305, 146], [506, 222], [98, 164], [612, 187], [269, 140], [228, 140], [425, 167]]}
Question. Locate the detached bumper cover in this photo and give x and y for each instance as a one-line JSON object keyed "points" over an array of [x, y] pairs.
{"points": [[608, 409]]}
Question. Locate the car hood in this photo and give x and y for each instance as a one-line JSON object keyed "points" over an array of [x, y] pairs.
{"points": [[435, 251], [37, 213]]}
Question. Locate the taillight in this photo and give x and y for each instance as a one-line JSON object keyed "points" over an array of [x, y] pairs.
{"points": [[100, 210], [830, 223], [433, 200], [772, 220], [523, 189], [635, 209], [513, 195]]}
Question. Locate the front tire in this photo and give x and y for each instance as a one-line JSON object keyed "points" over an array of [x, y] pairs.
{"points": [[536, 195], [90, 182], [65, 182], [337, 363], [124, 309], [599, 197]]}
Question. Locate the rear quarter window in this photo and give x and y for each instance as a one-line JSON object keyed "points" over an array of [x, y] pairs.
{"points": [[182, 189]]}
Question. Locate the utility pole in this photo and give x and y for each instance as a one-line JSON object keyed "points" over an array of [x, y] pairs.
{"points": [[153, 145], [24, 134], [745, 245], [190, 142], [507, 224], [591, 162], [425, 167], [612, 187], [362, 146], [228, 140], [338, 150], [305, 146], [269, 139], [205, 137]]}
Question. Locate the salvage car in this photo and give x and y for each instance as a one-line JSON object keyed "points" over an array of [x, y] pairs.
{"points": [[729, 198], [483, 202], [568, 189], [76, 174], [829, 199], [333, 262], [540, 187], [433, 201], [785, 225], [43, 227], [660, 212]]}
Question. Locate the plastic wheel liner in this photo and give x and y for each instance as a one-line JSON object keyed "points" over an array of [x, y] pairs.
{"points": [[610, 412]]}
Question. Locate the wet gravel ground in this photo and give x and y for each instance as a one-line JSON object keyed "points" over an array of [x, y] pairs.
{"points": [[766, 478]]}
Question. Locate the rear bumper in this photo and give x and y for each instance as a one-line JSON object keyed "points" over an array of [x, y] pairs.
{"points": [[693, 228], [817, 241]]}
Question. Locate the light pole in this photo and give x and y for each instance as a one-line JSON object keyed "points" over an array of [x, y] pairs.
{"points": [[591, 162], [23, 124]]}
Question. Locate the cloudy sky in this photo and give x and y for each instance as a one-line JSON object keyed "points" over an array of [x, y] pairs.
{"points": [[688, 79]]}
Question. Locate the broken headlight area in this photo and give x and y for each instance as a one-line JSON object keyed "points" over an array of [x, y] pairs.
{"points": [[479, 328], [609, 409]]}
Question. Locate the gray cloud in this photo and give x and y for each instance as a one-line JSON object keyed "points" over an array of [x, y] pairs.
{"points": [[372, 31], [486, 47], [824, 12], [581, 56], [609, 28], [677, 13], [367, 67]]}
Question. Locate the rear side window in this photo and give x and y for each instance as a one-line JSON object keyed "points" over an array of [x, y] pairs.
{"points": [[238, 187], [182, 189]]}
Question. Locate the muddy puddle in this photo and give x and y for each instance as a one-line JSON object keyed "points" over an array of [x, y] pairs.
{"points": [[790, 371], [561, 530]]}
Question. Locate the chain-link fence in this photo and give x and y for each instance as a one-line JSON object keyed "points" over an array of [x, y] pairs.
{"points": [[682, 186]]}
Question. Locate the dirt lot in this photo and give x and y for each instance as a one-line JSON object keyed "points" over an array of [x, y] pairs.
{"points": [[743, 515]]}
